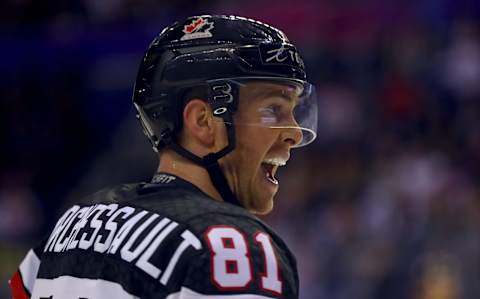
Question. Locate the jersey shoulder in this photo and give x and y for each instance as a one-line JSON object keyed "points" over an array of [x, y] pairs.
{"points": [[156, 240], [239, 253], [263, 261]]}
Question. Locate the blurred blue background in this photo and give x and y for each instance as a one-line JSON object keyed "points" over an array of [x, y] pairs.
{"points": [[385, 203]]}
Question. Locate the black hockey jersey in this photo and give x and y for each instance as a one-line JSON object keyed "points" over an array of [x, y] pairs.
{"points": [[164, 239]]}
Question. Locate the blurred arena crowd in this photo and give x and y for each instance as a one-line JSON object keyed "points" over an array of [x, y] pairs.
{"points": [[385, 204]]}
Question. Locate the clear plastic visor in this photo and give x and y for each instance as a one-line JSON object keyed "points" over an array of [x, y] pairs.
{"points": [[283, 104]]}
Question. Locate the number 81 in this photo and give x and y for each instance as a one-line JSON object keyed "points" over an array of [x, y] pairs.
{"points": [[231, 265]]}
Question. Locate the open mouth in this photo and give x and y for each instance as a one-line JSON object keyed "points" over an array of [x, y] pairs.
{"points": [[270, 166], [270, 170]]}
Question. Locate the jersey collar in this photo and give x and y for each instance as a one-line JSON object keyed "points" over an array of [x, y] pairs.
{"points": [[162, 180]]}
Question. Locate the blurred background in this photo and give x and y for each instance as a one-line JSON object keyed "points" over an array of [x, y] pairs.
{"points": [[385, 203]]}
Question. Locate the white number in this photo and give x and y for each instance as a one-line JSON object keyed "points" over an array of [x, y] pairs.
{"points": [[231, 261], [271, 278]]}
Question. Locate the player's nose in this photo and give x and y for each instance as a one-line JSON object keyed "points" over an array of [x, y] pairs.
{"points": [[292, 135]]}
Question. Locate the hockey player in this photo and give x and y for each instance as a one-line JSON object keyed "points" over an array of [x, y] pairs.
{"points": [[223, 100]]}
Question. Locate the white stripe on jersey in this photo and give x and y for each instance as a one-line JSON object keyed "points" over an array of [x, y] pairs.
{"points": [[69, 287], [29, 269], [186, 293]]}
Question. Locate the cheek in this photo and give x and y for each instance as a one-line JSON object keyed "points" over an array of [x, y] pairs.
{"points": [[252, 149], [253, 144], [256, 138]]}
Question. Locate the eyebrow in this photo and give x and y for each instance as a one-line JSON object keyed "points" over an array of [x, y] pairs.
{"points": [[289, 97]]}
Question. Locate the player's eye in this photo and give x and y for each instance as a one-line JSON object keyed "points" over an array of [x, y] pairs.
{"points": [[272, 110], [271, 113]]}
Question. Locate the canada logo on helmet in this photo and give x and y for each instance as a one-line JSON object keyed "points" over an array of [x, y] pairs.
{"points": [[198, 28]]}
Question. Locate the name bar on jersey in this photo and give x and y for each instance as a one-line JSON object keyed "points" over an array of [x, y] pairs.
{"points": [[133, 234]]}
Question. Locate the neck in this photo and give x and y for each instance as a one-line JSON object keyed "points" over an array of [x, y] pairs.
{"points": [[171, 162]]}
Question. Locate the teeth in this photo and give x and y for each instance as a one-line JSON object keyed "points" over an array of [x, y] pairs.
{"points": [[276, 161], [273, 180]]}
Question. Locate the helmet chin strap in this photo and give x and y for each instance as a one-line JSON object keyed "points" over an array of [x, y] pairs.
{"points": [[222, 102], [210, 163]]}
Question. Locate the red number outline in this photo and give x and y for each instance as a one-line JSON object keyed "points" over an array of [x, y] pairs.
{"points": [[212, 255], [263, 274]]}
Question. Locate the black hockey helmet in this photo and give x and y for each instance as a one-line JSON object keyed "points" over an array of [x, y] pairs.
{"points": [[211, 57]]}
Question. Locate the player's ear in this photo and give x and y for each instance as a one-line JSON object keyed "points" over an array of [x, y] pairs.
{"points": [[198, 120]]}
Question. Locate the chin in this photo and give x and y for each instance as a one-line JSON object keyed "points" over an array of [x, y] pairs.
{"points": [[263, 208]]}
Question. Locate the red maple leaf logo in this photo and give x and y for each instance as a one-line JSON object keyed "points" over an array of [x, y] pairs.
{"points": [[194, 26]]}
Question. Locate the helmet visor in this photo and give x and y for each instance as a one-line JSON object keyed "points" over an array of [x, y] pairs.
{"points": [[276, 103]]}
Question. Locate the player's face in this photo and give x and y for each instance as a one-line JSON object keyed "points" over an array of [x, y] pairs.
{"points": [[261, 148]]}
